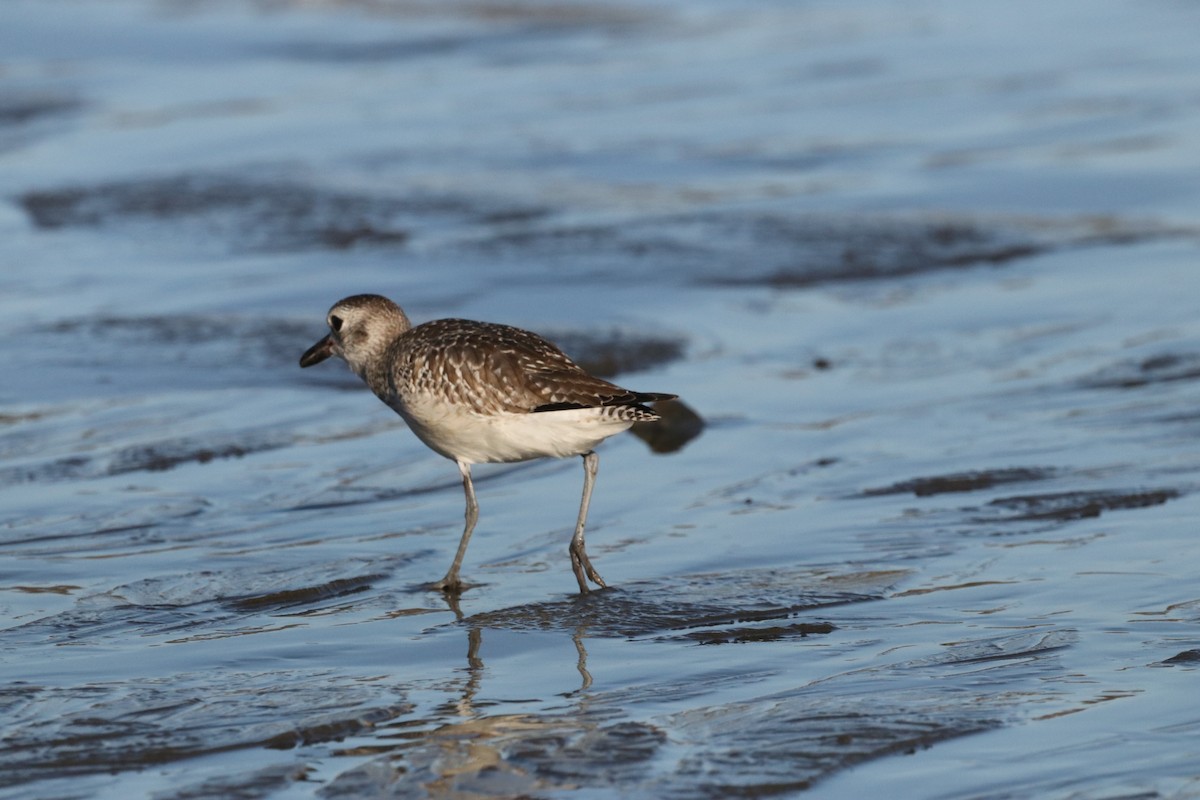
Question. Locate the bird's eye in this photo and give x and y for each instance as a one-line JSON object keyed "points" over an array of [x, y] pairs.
{"points": [[335, 322]]}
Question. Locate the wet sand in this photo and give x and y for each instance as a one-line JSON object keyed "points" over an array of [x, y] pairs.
{"points": [[923, 523]]}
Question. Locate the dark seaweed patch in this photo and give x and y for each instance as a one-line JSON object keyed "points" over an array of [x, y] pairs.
{"points": [[799, 250], [162, 457], [188, 329], [155, 457], [25, 117], [379, 50], [1160, 368], [583, 241], [1188, 657], [773, 633], [60, 469], [791, 251], [22, 109], [1034, 645], [262, 215], [191, 348], [508, 43], [964, 481], [303, 595], [127, 726], [207, 604], [1068, 506], [883, 252], [727, 602], [620, 612]]}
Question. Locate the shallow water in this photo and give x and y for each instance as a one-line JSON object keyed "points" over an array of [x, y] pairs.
{"points": [[924, 277]]}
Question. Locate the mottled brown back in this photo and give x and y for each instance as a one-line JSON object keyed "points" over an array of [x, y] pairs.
{"points": [[492, 368]]}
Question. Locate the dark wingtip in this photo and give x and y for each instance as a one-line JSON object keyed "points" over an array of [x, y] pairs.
{"points": [[630, 400], [560, 407]]}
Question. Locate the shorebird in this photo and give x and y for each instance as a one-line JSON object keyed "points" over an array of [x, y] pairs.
{"points": [[479, 392]]}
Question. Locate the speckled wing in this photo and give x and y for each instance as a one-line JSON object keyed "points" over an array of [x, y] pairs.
{"points": [[489, 369]]}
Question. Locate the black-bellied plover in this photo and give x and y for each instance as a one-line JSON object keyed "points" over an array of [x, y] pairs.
{"points": [[478, 392]]}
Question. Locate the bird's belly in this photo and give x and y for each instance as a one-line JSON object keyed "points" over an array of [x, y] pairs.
{"points": [[479, 438]]}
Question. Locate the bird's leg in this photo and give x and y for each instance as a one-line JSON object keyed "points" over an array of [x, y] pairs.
{"points": [[451, 583], [579, 559]]}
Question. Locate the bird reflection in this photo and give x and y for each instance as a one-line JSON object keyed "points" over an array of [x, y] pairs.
{"points": [[470, 754]]}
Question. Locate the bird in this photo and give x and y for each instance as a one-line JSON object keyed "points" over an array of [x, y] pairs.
{"points": [[483, 392]]}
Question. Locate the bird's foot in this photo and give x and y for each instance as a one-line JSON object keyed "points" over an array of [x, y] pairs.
{"points": [[450, 585], [581, 565]]}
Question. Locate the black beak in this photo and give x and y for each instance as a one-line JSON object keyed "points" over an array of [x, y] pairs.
{"points": [[318, 352]]}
